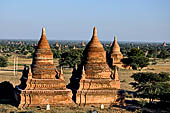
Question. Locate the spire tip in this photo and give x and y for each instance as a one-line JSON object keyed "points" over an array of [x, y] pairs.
{"points": [[94, 31], [43, 30], [115, 37]]}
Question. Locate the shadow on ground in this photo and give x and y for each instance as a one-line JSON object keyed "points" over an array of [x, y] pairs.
{"points": [[7, 95]]}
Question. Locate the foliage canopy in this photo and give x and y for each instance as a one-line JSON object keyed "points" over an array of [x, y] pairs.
{"points": [[136, 59], [71, 57], [3, 61], [151, 85]]}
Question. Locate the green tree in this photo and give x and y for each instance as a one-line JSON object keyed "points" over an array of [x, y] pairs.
{"points": [[3, 61], [151, 85], [56, 53], [152, 53], [135, 52], [164, 54], [71, 57], [136, 59], [165, 92], [25, 52]]}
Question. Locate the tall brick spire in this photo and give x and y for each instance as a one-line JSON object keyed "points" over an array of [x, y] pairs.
{"points": [[95, 59], [97, 82], [42, 83], [42, 65]]}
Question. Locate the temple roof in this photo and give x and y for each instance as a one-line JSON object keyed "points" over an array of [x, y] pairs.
{"points": [[42, 65], [94, 44], [115, 46], [94, 59], [43, 43]]}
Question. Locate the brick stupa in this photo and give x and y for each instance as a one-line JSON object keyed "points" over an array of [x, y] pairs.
{"points": [[115, 54], [98, 84], [41, 83]]}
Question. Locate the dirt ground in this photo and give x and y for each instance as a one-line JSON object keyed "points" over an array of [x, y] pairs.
{"points": [[77, 109]]}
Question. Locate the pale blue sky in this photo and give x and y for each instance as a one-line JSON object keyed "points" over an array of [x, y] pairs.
{"points": [[130, 20]]}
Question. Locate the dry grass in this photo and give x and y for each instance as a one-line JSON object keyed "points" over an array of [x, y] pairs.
{"points": [[7, 73], [125, 79], [77, 109], [124, 75]]}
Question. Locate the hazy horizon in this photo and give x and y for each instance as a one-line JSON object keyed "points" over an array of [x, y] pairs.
{"points": [[15, 39], [132, 21]]}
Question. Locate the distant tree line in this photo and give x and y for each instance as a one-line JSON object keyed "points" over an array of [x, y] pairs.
{"points": [[136, 58], [71, 57]]}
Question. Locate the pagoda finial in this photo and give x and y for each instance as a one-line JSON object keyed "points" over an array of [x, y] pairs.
{"points": [[94, 37], [43, 43], [115, 37], [43, 31], [94, 31]]}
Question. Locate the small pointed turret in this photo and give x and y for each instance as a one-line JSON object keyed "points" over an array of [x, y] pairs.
{"points": [[83, 44], [83, 74], [115, 46], [115, 53], [29, 73], [164, 44], [74, 47], [61, 73], [116, 75]]}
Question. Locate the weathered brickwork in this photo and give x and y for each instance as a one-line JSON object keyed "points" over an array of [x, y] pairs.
{"points": [[41, 83], [98, 84], [115, 53]]}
